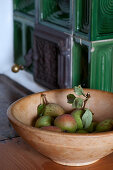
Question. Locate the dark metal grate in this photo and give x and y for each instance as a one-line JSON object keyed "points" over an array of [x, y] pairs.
{"points": [[52, 57], [46, 65]]}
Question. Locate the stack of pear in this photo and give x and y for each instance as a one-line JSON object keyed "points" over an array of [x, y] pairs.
{"points": [[46, 121], [53, 117]]}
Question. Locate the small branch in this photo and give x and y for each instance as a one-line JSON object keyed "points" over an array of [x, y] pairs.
{"points": [[87, 97], [44, 100]]}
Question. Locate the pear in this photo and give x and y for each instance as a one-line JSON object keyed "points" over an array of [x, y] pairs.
{"points": [[92, 127], [105, 126], [66, 122], [53, 109], [43, 121], [77, 114], [81, 131], [51, 128]]}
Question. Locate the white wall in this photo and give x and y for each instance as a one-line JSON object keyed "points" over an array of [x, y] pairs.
{"points": [[6, 49], [6, 34]]}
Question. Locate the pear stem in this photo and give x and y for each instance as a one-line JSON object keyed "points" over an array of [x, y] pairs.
{"points": [[44, 100]]}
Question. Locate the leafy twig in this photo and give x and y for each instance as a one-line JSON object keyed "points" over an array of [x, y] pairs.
{"points": [[85, 101], [78, 102]]}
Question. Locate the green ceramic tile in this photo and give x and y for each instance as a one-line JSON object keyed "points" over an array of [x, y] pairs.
{"points": [[23, 41], [96, 70], [93, 20], [79, 65], [102, 65], [56, 14], [25, 6], [18, 52]]}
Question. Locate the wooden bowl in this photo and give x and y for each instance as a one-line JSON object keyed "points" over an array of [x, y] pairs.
{"points": [[64, 148]]}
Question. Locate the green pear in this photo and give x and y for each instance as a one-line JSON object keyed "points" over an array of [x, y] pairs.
{"points": [[81, 131], [104, 126], [66, 122], [53, 109], [77, 114], [51, 128], [43, 121], [92, 127]]}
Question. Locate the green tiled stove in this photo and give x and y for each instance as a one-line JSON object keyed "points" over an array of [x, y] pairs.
{"points": [[56, 14], [93, 19], [72, 41], [100, 62]]}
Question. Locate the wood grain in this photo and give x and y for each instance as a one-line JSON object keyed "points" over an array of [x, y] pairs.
{"points": [[16, 154]]}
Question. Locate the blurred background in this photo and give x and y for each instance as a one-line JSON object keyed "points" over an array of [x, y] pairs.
{"points": [[49, 44]]}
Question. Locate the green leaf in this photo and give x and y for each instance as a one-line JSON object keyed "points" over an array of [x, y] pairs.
{"points": [[87, 119], [40, 110], [70, 98], [79, 90], [77, 103]]}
